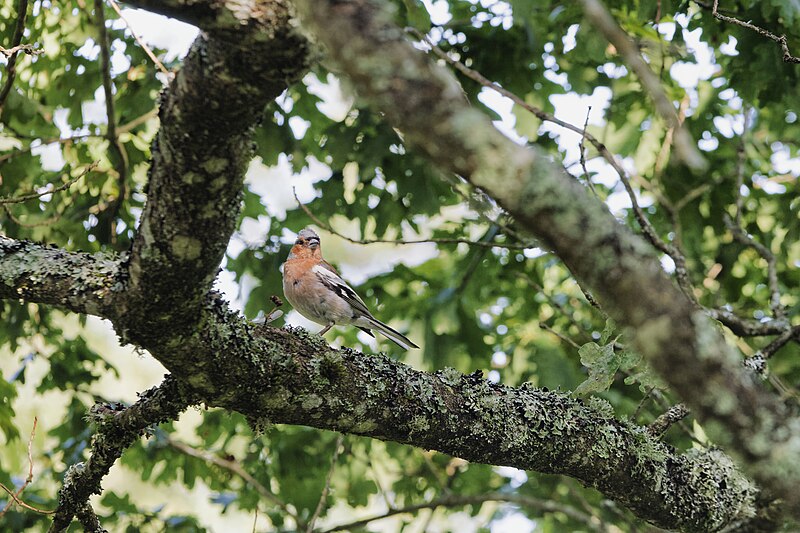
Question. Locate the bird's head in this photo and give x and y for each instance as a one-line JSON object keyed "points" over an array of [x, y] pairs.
{"points": [[306, 244]]}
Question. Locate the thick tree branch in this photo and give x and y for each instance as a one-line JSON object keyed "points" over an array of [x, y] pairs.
{"points": [[295, 378], [424, 101], [117, 430], [80, 282], [302, 381]]}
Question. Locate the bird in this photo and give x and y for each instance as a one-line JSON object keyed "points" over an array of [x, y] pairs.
{"points": [[319, 293]]}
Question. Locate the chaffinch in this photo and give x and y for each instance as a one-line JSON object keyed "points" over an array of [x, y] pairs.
{"points": [[316, 290]]}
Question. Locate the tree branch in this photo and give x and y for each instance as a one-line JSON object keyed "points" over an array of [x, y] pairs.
{"points": [[120, 157], [455, 500], [650, 233], [63, 187], [80, 282], [660, 425], [117, 429], [685, 146], [779, 39], [11, 53], [295, 378], [680, 342]]}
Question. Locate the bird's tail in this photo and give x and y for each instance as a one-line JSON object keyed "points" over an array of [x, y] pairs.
{"points": [[391, 334]]}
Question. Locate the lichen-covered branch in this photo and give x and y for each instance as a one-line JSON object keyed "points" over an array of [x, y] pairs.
{"points": [[80, 282], [425, 102], [290, 377], [117, 430], [300, 380]]}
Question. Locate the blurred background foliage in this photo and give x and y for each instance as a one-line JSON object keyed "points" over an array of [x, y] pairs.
{"points": [[483, 297]]}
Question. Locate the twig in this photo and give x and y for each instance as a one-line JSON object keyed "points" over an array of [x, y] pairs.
{"points": [[661, 424], [582, 147], [15, 497], [560, 335], [121, 163], [736, 228], [21, 503], [650, 234], [141, 43], [780, 39], [31, 196], [462, 500], [236, 468], [29, 49], [45, 142], [644, 399], [11, 53], [327, 227], [125, 128], [20, 223], [685, 146], [746, 327], [758, 361], [327, 487]]}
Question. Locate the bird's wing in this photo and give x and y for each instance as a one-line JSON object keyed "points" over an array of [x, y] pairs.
{"points": [[338, 286]]}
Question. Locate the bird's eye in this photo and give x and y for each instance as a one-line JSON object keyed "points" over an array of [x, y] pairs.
{"points": [[299, 241]]}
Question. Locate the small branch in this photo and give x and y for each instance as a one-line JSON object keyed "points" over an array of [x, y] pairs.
{"points": [[745, 327], [120, 156], [758, 361], [65, 186], [125, 128], [685, 146], [20, 223], [736, 227], [661, 424], [11, 53], [141, 43], [15, 496], [29, 49], [649, 231], [45, 142], [780, 39], [327, 227], [327, 487], [545, 506], [18, 501], [560, 335], [582, 148], [236, 468]]}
